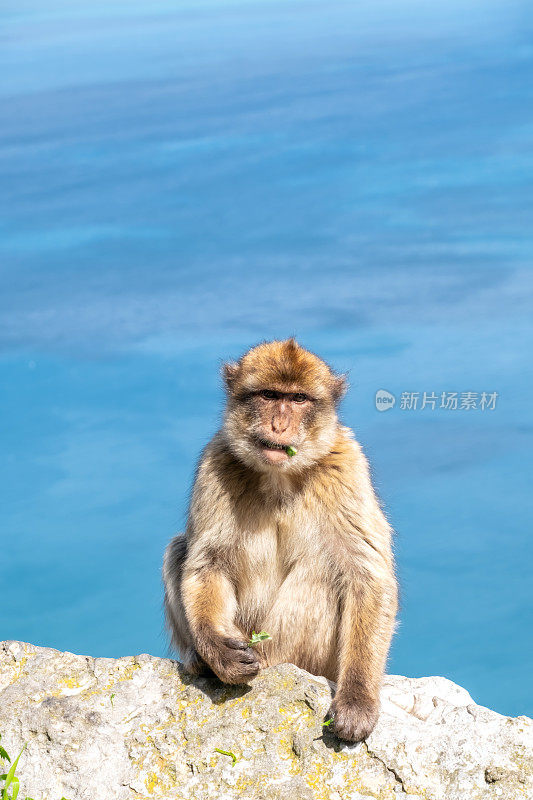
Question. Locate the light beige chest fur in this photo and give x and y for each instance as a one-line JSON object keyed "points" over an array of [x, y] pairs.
{"points": [[283, 587]]}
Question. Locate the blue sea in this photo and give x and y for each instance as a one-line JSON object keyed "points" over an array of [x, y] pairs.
{"points": [[183, 179]]}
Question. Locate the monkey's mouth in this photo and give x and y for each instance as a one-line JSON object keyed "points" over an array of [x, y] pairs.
{"points": [[266, 444], [274, 452]]}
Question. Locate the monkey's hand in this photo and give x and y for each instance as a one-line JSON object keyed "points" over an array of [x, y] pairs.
{"points": [[233, 660], [353, 720]]}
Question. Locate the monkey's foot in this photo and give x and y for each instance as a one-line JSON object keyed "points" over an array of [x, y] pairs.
{"points": [[353, 721], [233, 660]]}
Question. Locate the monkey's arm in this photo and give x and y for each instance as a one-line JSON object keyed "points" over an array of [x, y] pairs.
{"points": [[210, 605], [207, 592], [368, 605], [367, 624]]}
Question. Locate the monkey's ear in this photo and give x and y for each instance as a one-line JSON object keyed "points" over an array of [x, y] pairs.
{"points": [[229, 373], [339, 387]]}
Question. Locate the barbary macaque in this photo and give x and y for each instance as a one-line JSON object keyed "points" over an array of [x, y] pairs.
{"points": [[285, 535]]}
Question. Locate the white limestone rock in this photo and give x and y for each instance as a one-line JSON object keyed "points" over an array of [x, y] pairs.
{"points": [[139, 727]]}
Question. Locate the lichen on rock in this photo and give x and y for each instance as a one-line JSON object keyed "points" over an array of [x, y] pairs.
{"points": [[140, 727]]}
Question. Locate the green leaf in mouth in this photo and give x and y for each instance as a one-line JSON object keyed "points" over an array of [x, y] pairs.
{"points": [[291, 451]]}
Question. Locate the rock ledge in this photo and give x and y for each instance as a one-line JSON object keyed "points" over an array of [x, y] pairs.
{"points": [[139, 727]]}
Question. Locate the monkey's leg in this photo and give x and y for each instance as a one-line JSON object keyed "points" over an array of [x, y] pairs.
{"points": [[366, 628], [176, 619], [210, 605]]}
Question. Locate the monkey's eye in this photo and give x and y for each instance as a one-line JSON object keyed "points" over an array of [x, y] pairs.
{"points": [[268, 394], [299, 397]]}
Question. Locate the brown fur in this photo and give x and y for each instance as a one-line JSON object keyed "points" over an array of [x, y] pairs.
{"points": [[299, 548]]}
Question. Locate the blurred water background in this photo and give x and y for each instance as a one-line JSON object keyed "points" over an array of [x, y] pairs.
{"points": [[183, 179]]}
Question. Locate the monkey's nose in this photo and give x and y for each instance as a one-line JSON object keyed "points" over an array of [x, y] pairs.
{"points": [[280, 423]]}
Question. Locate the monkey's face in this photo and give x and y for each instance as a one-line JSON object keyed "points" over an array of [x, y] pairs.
{"points": [[279, 423], [281, 407]]}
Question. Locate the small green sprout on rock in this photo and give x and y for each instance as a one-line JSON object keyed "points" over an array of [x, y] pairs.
{"points": [[112, 698], [257, 638], [9, 783], [3, 753], [291, 451], [227, 753], [11, 786]]}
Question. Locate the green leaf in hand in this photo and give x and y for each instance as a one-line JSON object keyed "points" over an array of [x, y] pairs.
{"points": [[259, 637]]}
